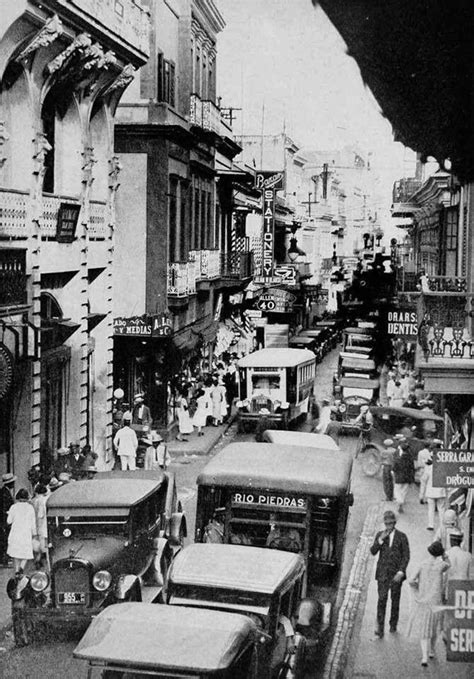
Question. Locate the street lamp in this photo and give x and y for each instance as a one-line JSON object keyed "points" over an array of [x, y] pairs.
{"points": [[294, 251]]}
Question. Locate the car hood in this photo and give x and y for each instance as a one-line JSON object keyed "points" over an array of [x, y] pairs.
{"points": [[103, 552]]}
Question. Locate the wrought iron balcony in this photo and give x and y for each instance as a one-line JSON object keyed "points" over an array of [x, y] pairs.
{"points": [[237, 265], [13, 210], [445, 314], [206, 115], [181, 279]]}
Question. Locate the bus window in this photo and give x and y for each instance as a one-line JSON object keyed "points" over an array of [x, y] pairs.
{"points": [[323, 531], [266, 385]]}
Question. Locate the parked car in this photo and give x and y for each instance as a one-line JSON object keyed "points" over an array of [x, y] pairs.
{"points": [[266, 585], [113, 538], [141, 640], [388, 421], [300, 438]]}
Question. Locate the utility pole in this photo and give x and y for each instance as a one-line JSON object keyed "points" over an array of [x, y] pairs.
{"points": [[309, 202]]}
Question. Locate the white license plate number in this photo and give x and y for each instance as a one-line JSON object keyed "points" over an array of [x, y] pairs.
{"points": [[72, 598]]}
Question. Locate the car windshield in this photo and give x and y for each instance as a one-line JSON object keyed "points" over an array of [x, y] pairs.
{"points": [[232, 597], [265, 384], [88, 526]]}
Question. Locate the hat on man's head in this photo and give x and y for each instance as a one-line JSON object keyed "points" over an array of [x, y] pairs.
{"points": [[436, 548], [147, 440], [54, 483], [455, 536], [388, 442], [138, 397], [8, 478], [155, 437], [64, 477], [389, 515], [63, 451], [127, 417], [399, 437]]}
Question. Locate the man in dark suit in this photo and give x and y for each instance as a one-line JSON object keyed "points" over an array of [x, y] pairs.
{"points": [[394, 555]]}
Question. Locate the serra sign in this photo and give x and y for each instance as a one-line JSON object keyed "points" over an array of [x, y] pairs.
{"points": [[453, 468]]}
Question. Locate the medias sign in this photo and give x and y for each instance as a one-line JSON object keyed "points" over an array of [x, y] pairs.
{"points": [[453, 468], [143, 326]]}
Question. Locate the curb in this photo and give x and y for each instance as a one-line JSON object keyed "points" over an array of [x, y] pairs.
{"points": [[337, 657], [183, 452]]}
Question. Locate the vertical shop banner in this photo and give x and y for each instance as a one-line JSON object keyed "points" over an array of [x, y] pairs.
{"points": [[459, 621], [268, 183]]}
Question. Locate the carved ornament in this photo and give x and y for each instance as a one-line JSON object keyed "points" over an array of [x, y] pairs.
{"points": [[52, 29]]}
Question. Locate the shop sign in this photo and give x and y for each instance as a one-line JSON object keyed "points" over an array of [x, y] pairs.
{"points": [[277, 301], [276, 500], [402, 323], [459, 621], [143, 326], [268, 233], [6, 370], [253, 313], [270, 179], [68, 215], [286, 272], [276, 335], [453, 468]]}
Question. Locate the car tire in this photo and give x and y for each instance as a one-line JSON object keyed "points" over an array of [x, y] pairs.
{"points": [[370, 460], [23, 629]]}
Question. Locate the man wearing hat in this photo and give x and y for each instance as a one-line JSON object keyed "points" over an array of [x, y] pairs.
{"points": [[156, 454], [403, 472], [63, 464], [394, 554], [76, 458], [126, 444], [459, 558], [386, 458], [6, 501], [141, 412]]}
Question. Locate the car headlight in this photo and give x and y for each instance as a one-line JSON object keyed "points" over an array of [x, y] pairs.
{"points": [[39, 581], [101, 580], [239, 404]]}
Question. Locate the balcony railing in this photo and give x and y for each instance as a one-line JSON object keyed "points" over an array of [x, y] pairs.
{"points": [[181, 279], [13, 210], [207, 115], [238, 265], [126, 18], [445, 310], [207, 263]]}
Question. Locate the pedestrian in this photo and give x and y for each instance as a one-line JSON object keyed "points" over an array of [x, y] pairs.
{"points": [[76, 459], [386, 458], [324, 417], [435, 496], [126, 444], [185, 425], [396, 393], [6, 501], [90, 458], [334, 428], [427, 582], [21, 517], [459, 558], [394, 554], [39, 505], [63, 463], [403, 471], [218, 400], [424, 454], [202, 411], [447, 524], [141, 412], [156, 454]]}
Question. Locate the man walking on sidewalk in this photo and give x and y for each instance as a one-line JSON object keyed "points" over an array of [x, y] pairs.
{"points": [[394, 554]]}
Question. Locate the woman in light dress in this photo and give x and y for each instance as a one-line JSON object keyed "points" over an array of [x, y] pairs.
{"points": [[219, 402], [202, 411], [426, 620], [22, 519], [185, 425]]}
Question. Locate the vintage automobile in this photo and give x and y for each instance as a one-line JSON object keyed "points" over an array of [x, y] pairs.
{"points": [[275, 382], [288, 497], [390, 420], [112, 540], [321, 344], [300, 438], [305, 342], [266, 585], [140, 641]]}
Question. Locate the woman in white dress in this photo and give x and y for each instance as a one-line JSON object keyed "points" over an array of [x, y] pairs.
{"points": [[219, 403], [202, 411], [22, 519], [185, 425], [426, 618]]}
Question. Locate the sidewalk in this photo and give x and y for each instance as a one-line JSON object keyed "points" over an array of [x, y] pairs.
{"points": [[395, 655]]}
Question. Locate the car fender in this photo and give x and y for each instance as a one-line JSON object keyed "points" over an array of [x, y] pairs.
{"points": [[163, 555], [17, 587], [125, 586], [178, 529]]}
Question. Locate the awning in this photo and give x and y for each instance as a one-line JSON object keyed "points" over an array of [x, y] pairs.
{"points": [[449, 383]]}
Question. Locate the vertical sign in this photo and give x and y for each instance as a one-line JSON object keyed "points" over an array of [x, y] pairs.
{"points": [[268, 232], [268, 183]]}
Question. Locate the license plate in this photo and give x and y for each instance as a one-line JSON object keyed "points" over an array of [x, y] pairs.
{"points": [[72, 597]]}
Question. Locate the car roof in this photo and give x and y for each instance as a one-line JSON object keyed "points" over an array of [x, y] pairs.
{"points": [[100, 494], [359, 383], [406, 412], [302, 339], [251, 569], [176, 638], [357, 362], [281, 357], [300, 438], [279, 467]]}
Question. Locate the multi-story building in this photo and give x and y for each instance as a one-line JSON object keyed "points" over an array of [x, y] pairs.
{"points": [[176, 212], [64, 65]]}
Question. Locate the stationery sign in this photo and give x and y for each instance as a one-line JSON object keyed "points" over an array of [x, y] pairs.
{"points": [[459, 621], [453, 468], [268, 182]]}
